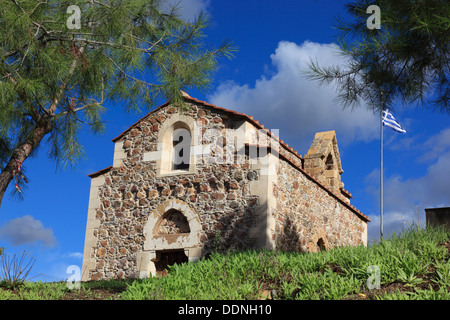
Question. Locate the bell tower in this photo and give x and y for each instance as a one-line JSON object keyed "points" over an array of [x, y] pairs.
{"points": [[323, 161]]}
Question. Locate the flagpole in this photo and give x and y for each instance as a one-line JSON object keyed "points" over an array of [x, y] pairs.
{"points": [[389, 120], [381, 174]]}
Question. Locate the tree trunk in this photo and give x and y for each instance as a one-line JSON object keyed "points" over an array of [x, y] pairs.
{"points": [[43, 126], [21, 153]]}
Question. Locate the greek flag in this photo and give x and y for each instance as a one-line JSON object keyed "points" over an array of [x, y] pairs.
{"points": [[389, 121]]}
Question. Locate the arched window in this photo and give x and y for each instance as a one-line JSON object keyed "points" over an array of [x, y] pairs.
{"points": [[318, 241], [181, 154], [320, 245], [329, 162], [176, 142], [173, 222]]}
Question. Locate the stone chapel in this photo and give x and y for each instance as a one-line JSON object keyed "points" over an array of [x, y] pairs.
{"points": [[187, 183]]}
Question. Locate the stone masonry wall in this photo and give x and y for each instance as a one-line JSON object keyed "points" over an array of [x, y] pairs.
{"points": [[227, 199], [219, 194], [305, 213]]}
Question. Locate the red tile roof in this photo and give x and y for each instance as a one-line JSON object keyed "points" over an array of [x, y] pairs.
{"points": [[100, 172], [307, 175], [216, 108]]}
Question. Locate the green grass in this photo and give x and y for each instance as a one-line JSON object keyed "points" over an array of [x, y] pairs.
{"points": [[415, 261], [94, 290], [413, 265]]}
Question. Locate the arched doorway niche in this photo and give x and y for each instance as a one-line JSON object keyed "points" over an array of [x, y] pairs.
{"points": [[171, 229]]}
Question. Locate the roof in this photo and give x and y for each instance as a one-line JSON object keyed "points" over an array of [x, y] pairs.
{"points": [[258, 125], [216, 108], [100, 172], [308, 176]]}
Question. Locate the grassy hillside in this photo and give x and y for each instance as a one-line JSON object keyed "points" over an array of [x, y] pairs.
{"points": [[412, 265]]}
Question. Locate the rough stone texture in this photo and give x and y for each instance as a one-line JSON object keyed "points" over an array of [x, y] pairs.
{"points": [[136, 208], [306, 213], [323, 162], [174, 222], [219, 194]]}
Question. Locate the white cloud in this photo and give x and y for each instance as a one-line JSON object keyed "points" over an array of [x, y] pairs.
{"points": [[27, 230], [436, 145], [74, 255], [286, 100], [53, 264], [429, 190], [392, 222]]}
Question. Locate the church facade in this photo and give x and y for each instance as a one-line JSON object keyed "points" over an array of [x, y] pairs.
{"points": [[187, 183]]}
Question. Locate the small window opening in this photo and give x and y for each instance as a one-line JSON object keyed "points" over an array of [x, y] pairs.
{"points": [[320, 245], [329, 162], [169, 258], [181, 149]]}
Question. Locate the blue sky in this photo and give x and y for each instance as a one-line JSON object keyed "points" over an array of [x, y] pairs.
{"points": [[264, 80]]}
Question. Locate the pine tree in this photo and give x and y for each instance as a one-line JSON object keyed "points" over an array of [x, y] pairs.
{"points": [[61, 61], [406, 60]]}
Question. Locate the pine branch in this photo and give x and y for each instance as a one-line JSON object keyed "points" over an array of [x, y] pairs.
{"points": [[51, 110], [54, 81], [127, 75]]}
